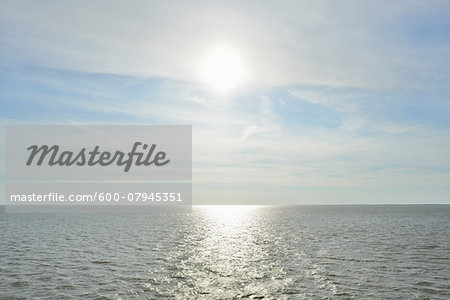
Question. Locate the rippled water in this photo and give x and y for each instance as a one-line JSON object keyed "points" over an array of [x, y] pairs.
{"points": [[230, 252]]}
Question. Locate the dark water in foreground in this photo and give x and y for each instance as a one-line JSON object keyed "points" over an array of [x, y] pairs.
{"points": [[231, 252]]}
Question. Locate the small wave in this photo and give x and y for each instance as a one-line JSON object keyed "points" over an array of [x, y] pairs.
{"points": [[101, 262]]}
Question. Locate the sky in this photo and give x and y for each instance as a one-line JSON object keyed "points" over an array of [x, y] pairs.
{"points": [[321, 102]]}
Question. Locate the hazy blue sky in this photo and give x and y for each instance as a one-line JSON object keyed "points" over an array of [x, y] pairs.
{"points": [[334, 101]]}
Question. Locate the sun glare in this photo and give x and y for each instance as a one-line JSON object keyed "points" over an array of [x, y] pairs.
{"points": [[222, 69]]}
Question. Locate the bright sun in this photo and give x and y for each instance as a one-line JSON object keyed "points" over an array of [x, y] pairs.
{"points": [[222, 69]]}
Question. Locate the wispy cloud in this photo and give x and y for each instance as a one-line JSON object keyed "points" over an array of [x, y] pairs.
{"points": [[322, 42]]}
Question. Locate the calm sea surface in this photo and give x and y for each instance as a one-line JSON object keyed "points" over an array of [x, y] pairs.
{"points": [[230, 252]]}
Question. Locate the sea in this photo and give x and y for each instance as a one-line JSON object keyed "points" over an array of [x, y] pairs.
{"points": [[229, 252]]}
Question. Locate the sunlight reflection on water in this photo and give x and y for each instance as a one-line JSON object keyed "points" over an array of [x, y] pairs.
{"points": [[229, 252]]}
